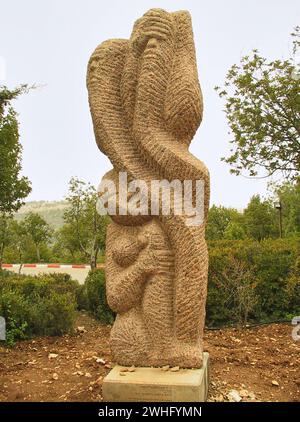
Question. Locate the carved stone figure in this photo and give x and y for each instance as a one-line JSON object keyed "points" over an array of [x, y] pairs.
{"points": [[146, 106]]}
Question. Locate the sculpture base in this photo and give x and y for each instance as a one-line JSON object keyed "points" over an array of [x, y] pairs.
{"points": [[156, 385]]}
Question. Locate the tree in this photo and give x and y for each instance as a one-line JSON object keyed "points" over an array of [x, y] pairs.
{"points": [[13, 187], [289, 196], [234, 231], [260, 219], [19, 239], [262, 108], [38, 230], [88, 226], [218, 220], [66, 243], [5, 234]]}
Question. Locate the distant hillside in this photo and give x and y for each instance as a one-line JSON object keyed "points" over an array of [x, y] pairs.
{"points": [[51, 211]]}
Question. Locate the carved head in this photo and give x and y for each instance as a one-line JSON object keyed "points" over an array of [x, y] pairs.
{"points": [[148, 82], [160, 65]]}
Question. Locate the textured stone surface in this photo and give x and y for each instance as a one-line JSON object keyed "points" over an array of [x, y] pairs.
{"points": [[146, 106], [157, 385]]}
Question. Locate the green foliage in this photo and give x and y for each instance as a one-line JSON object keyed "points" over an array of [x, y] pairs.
{"points": [[219, 218], [43, 305], [15, 326], [253, 281], [57, 315], [7, 95], [86, 229], [38, 230], [289, 196], [5, 234], [82, 298], [96, 294], [258, 221], [249, 281], [234, 231], [13, 187], [261, 221], [28, 237], [67, 244], [18, 239], [262, 105], [12, 235]]}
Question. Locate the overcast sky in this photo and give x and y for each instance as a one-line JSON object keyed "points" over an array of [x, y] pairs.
{"points": [[49, 43]]}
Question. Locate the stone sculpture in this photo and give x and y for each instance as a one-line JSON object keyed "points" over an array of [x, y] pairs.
{"points": [[146, 106]]}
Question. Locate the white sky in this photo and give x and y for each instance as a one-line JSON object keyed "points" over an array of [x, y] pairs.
{"points": [[49, 43]]}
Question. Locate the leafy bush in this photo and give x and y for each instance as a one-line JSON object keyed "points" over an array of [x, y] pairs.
{"points": [[249, 281], [41, 305], [96, 295], [14, 308], [82, 298], [57, 315], [253, 281]]}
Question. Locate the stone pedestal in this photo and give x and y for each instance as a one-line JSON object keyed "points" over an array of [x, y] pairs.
{"points": [[156, 385]]}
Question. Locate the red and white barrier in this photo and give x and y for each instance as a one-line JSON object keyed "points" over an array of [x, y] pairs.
{"points": [[41, 266]]}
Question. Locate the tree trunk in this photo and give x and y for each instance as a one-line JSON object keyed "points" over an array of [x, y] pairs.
{"points": [[38, 253], [93, 262], [20, 261], [1, 255], [94, 255], [20, 268]]}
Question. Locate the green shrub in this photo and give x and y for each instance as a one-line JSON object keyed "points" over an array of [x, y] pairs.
{"points": [[249, 281], [82, 298], [40, 305], [253, 281], [4, 275], [55, 315], [96, 296], [15, 310]]}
